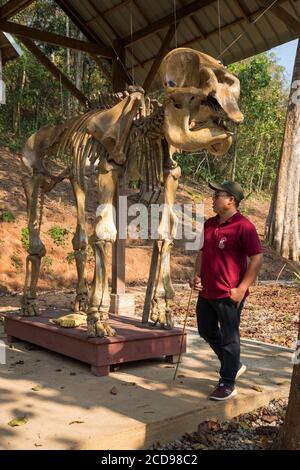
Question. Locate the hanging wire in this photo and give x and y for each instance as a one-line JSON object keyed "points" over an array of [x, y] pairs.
{"points": [[61, 95], [242, 34], [131, 78], [131, 34], [122, 64], [175, 22], [219, 21]]}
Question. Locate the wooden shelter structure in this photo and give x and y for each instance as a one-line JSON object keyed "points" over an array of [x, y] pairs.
{"points": [[9, 50], [134, 35]]}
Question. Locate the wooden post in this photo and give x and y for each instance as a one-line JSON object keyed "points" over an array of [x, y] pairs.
{"points": [[0, 64], [159, 57], [120, 301], [119, 74], [2, 84]]}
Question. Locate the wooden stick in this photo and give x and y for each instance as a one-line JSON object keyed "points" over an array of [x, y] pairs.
{"points": [[280, 272], [183, 332]]}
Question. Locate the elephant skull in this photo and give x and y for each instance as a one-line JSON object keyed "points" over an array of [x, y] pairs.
{"points": [[201, 100]]}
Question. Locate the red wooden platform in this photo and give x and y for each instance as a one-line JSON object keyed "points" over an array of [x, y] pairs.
{"points": [[134, 341]]}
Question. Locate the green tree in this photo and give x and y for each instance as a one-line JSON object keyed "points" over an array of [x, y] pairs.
{"points": [[34, 96], [258, 140]]}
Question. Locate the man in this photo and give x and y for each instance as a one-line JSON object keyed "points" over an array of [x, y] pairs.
{"points": [[222, 278]]}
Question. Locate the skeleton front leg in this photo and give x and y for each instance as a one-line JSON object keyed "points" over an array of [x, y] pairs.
{"points": [[36, 248], [163, 291], [80, 242], [105, 233]]}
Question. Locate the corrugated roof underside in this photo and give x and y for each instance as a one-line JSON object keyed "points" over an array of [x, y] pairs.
{"points": [[269, 31]]}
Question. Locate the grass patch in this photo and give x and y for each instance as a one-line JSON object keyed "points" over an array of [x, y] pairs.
{"points": [[25, 238], [58, 235], [70, 258], [7, 217], [47, 263], [17, 262]]}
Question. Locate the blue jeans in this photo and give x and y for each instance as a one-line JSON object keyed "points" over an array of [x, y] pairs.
{"points": [[218, 324]]}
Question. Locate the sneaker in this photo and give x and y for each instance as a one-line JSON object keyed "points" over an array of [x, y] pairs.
{"points": [[223, 392], [241, 370]]}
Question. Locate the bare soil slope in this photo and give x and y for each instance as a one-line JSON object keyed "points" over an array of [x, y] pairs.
{"points": [[58, 268]]}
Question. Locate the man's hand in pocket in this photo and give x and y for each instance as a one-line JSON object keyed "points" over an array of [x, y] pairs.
{"points": [[236, 295], [195, 284]]}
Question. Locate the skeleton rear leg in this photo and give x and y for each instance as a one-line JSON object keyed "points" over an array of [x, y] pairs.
{"points": [[80, 242], [36, 248], [105, 232]]}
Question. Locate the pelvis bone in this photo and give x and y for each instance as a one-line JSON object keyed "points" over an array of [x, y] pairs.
{"points": [[201, 100]]}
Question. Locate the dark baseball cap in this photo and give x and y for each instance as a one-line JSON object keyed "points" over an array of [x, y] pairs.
{"points": [[230, 187]]}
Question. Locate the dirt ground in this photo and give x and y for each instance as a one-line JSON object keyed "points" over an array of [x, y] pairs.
{"points": [[58, 266], [270, 314]]}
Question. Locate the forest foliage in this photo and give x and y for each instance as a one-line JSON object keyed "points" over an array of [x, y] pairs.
{"points": [[35, 98]]}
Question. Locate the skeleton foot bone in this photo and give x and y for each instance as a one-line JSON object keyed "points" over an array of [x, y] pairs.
{"points": [[97, 327], [161, 313], [81, 303], [28, 307]]}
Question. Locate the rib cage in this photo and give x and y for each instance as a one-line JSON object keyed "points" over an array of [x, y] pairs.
{"points": [[143, 150], [103, 101]]}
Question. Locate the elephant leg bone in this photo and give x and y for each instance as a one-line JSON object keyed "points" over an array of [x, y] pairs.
{"points": [[105, 233], [163, 291], [36, 248], [151, 283], [80, 243]]}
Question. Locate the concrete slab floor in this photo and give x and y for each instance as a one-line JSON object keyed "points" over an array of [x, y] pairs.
{"points": [[76, 410]]}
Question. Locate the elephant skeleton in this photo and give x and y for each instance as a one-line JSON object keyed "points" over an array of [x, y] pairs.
{"points": [[128, 132]]}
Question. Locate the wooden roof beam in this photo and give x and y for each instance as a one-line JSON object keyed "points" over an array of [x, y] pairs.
{"points": [[101, 16], [79, 22], [198, 27], [145, 17], [118, 5], [242, 10], [90, 35], [289, 20], [40, 56], [55, 39], [120, 74], [162, 23], [193, 20], [12, 7], [156, 63], [216, 31], [199, 38]]}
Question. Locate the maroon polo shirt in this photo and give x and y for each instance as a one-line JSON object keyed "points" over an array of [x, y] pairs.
{"points": [[224, 254]]}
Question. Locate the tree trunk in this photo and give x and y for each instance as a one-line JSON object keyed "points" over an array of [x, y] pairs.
{"points": [[68, 67], [17, 124], [79, 66], [282, 224], [289, 434]]}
